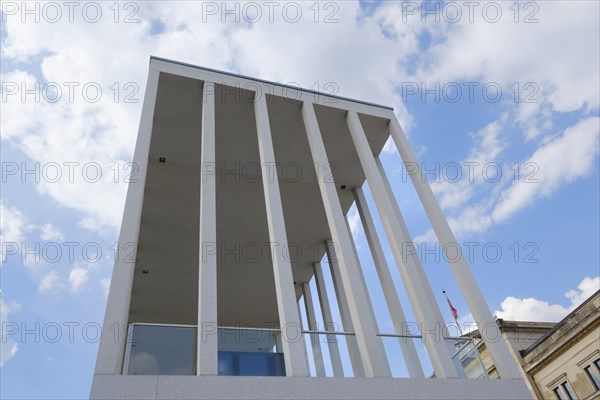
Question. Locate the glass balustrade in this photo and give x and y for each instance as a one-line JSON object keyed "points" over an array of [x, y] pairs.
{"points": [[468, 356], [156, 349], [161, 349]]}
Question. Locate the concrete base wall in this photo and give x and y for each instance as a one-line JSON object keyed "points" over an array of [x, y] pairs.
{"points": [[282, 388]]}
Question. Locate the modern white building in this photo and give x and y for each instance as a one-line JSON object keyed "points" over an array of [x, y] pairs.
{"points": [[236, 219]]}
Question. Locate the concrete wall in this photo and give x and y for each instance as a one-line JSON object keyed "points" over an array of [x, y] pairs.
{"points": [[223, 387]]}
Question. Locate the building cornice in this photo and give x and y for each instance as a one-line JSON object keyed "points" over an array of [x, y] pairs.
{"points": [[578, 323]]}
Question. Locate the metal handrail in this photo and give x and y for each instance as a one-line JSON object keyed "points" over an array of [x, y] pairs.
{"points": [[247, 328], [328, 333], [157, 324], [304, 331], [399, 336]]}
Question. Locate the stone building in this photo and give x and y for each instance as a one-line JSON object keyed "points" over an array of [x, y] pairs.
{"points": [[558, 360]]}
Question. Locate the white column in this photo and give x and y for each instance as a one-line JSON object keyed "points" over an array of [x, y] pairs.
{"points": [[361, 275], [315, 339], [505, 364], [421, 271], [371, 348], [344, 309], [207, 350], [111, 352], [364, 285], [332, 341], [418, 289], [409, 352], [296, 358]]}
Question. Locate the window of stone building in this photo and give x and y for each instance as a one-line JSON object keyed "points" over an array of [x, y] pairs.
{"points": [[558, 393], [564, 391], [593, 372]]}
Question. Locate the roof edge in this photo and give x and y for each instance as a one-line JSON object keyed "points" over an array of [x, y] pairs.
{"points": [[271, 83], [560, 324]]}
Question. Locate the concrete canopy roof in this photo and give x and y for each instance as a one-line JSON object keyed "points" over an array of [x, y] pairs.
{"points": [[165, 285]]}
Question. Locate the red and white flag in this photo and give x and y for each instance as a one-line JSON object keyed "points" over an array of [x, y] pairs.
{"points": [[452, 309]]}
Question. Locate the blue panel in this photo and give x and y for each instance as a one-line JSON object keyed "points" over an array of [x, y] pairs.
{"points": [[251, 364]]}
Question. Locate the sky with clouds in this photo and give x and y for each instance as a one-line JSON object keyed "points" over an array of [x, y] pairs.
{"points": [[500, 101]]}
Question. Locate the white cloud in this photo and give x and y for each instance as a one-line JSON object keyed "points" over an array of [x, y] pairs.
{"points": [[105, 285], [467, 323], [354, 222], [63, 133], [8, 346], [53, 283], [559, 161], [326, 49], [487, 146], [78, 278], [587, 287], [12, 224], [473, 219], [556, 162], [50, 283], [506, 53], [316, 56], [429, 236], [51, 233], [390, 147], [531, 309], [386, 50], [13, 228]]}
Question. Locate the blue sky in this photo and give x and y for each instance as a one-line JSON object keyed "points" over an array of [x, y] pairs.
{"points": [[384, 52]]}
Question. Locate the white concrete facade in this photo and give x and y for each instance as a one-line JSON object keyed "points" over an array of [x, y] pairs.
{"points": [[244, 188]]}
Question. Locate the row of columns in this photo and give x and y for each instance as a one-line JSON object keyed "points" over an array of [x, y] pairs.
{"points": [[366, 350], [411, 271]]}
